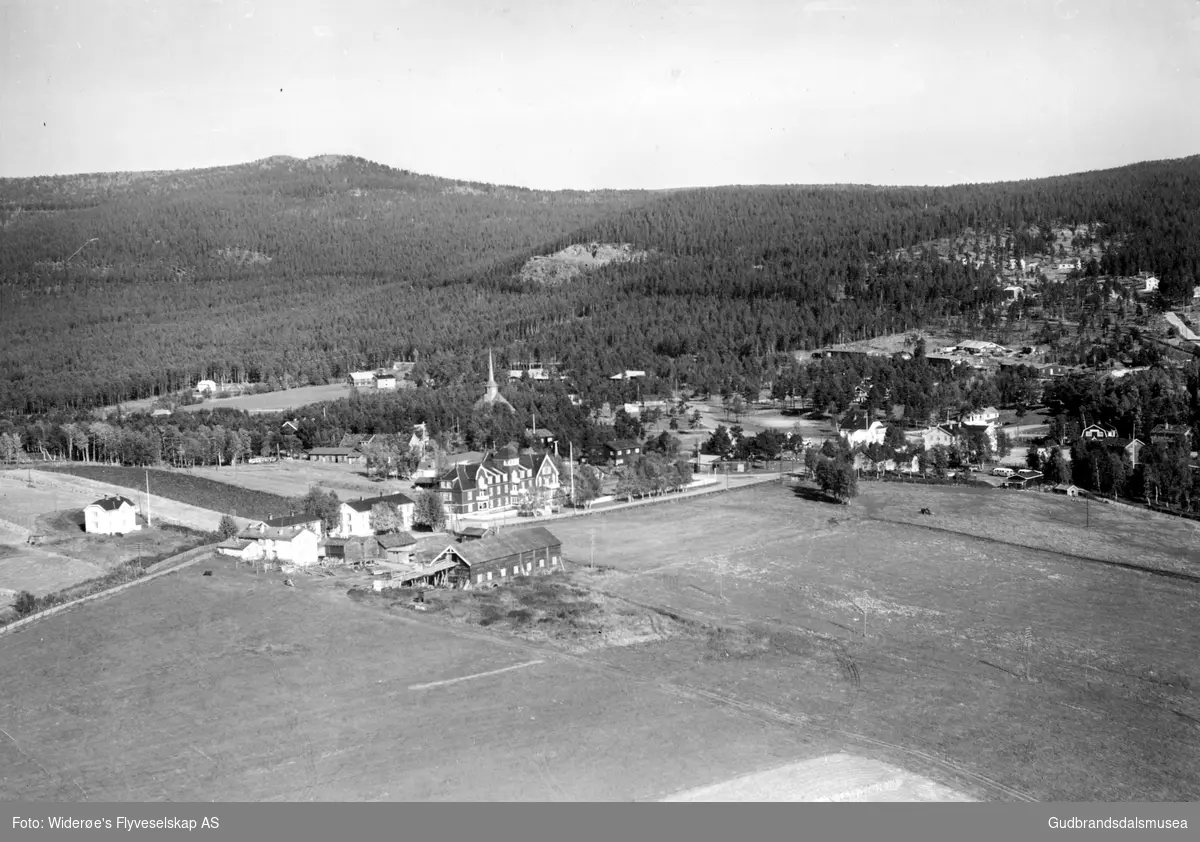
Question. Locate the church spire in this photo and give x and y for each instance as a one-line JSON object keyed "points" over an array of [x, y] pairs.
{"points": [[492, 396]]}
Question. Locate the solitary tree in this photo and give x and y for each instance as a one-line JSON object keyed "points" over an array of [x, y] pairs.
{"points": [[586, 486], [430, 510], [837, 479], [324, 505], [384, 518], [227, 528], [26, 603]]}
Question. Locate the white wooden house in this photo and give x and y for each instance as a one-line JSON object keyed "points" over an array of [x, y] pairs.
{"points": [[110, 516]]}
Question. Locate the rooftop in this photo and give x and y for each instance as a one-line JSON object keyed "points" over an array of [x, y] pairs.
{"points": [[111, 504], [506, 544]]}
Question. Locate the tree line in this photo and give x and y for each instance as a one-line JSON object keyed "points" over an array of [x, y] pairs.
{"points": [[368, 264]]}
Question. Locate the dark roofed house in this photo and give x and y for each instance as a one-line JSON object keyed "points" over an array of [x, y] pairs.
{"points": [[1168, 434], [540, 437], [296, 519], [622, 451], [111, 516], [335, 454], [1024, 479], [497, 482]]}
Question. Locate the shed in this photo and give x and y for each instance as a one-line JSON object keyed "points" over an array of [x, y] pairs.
{"points": [[1067, 489], [240, 548], [472, 533], [397, 547]]}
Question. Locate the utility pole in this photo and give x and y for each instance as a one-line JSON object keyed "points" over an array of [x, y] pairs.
{"points": [[571, 465], [1028, 650], [148, 522]]}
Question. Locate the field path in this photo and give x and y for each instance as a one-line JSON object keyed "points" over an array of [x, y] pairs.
{"points": [[754, 709]]}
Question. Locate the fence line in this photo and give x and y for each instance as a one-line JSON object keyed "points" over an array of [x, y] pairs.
{"points": [[666, 498], [154, 571]]}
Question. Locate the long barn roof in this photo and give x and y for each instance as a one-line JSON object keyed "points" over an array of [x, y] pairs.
{"points": [[505, 544]]}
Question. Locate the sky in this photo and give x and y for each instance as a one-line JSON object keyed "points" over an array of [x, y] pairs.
{"points": [[590, 94]]}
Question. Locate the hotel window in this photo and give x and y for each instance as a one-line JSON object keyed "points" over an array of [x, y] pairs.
{"points": [[503, 572], [489, 575], [479, 579], [541, 562]]}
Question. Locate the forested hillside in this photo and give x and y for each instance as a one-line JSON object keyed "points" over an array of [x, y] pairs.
{"points": [[308, 269]]}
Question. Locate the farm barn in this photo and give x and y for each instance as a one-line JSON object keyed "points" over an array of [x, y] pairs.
{"points": [[522, 552]]}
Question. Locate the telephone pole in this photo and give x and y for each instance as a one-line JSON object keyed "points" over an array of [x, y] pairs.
{"points": [[148, 522]]}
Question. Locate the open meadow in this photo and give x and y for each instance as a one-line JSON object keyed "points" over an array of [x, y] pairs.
{"points": [[291, 478], [49, 508], [954, 625], [281, 401], [182, 490], [233, 687], [761, 630]]}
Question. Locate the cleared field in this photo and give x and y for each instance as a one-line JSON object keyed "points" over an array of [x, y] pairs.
{"points": [[280, 401], [289, 479], [182, 487], [51, 507], [233, 687], [1111, 712]]}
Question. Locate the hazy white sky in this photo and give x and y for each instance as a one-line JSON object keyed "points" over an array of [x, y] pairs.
{"points": [[604, 93]]}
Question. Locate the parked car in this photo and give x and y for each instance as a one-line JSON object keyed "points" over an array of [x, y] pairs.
{"points": [[1002, 472]]}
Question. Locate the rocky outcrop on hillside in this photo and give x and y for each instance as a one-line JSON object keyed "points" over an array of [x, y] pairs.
{"points": [[574, 260]]}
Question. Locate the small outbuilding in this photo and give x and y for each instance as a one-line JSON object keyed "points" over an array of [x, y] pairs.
{"points": [[1067, 489], [240, 548]]}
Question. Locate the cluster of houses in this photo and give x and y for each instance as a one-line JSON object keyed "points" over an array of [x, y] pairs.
{"points": [[396, 557], [1163, 435], [383, 379], [353, 447]]}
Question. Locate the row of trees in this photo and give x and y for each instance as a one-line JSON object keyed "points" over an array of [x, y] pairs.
{"points": [[652, 475]]}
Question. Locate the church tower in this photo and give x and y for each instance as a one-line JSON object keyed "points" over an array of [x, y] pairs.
{"points": [[492, 396]]}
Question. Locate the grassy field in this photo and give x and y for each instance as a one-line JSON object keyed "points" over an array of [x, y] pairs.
{"points": [[292, 478], [194, 490], [1112, 712], [729, 642], [233, 687], [63, 555], [280, 401]]}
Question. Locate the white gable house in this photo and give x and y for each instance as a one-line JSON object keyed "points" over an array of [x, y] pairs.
{"points": [[863, 433], [110, 516]]}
